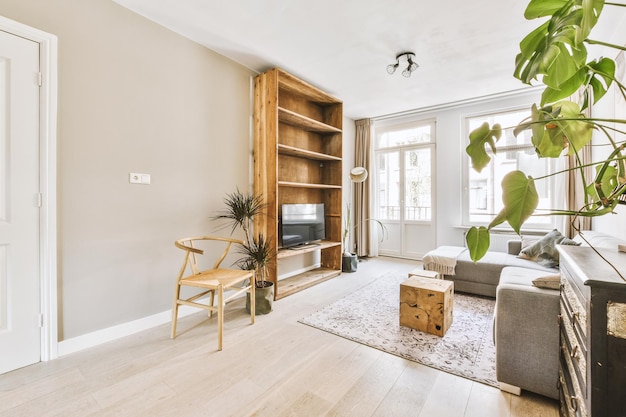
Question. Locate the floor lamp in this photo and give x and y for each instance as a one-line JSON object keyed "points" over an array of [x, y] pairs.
{"points": [[349, 260]]}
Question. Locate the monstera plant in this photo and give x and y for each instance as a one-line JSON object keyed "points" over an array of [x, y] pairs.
{"points": [[555, 54]]}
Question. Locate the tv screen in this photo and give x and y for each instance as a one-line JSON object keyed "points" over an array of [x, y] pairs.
{"points": [[302, 224]]}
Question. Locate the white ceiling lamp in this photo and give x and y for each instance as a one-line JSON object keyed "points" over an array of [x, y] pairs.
{"points": [[411, 64]]}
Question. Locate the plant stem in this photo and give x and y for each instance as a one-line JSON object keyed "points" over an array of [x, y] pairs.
{"points": [[610, 45], [622, 158]]}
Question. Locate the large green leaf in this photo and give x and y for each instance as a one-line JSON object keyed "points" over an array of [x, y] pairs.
{"points": [[547, 143], [557, 126], [520, 198], [603, 74], [479, 137], [606, 181], [568, 64], [565, 87], [554, 49], [591, 12], [478, 241], [498, 220], [577, 132], [541, 8]]}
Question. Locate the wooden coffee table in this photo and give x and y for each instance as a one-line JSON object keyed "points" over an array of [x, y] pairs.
{"points": [[426, 304]]}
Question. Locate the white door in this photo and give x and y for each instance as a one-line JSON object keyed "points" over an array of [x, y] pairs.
{"points": [[404, 188], [20, 331]]}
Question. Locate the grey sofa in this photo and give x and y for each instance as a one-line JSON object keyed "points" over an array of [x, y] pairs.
{"points": [[526, 332], [482, 277]]}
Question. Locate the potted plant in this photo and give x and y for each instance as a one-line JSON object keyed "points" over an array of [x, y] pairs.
{"points": [[241, 208], [349, 260], [555, 53]]}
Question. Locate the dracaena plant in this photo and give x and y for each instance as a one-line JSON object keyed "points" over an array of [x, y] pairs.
{"points": [[241, 209], [555, 54]]}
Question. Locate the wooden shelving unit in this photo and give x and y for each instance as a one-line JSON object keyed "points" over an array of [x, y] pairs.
{"points": [[298, 159]]}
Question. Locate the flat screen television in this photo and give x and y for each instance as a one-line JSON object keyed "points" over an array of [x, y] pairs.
{"points": [[302, 224]]}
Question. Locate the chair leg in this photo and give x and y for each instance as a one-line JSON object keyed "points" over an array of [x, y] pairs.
{"points": [[175, 311], [212, 301], [220, 316]]}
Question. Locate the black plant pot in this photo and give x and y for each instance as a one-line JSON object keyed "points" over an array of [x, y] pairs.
{"points": [[263, 300], [349, 262]]}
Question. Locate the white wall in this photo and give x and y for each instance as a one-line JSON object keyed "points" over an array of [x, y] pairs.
{"points": [[134, 96], [612, 105]]}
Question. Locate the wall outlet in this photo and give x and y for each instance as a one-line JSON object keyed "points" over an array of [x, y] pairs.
{"points": [[138, 178]]}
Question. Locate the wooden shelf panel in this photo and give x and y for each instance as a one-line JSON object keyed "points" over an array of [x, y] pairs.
{"points": [[289, 82], [305, 280], [305, 185], [303, 153], [286, 253], [303, 122]]}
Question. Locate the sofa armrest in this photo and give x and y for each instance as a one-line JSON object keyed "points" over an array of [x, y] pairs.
{"points": [[526, 333], [514, 246]]}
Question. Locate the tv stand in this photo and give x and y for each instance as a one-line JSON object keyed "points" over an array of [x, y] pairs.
{"points": [[307, 279], [305, 246]]}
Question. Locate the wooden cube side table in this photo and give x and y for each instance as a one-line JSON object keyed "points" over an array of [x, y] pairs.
{"points": [[426, 304]]}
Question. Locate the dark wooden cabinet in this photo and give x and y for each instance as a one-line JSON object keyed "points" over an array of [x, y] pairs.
{"points": [[592, 374]]}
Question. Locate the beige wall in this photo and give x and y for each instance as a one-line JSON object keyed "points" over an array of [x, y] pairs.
{"points": [[134, 96]]}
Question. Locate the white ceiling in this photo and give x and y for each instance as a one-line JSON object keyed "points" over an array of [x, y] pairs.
{"points": [[465, 49]]}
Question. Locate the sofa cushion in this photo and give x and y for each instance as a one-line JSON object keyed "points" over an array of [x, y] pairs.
{"points": [[487, 270], [544, 250], [512, 275], [527, 332], [599, 240]]}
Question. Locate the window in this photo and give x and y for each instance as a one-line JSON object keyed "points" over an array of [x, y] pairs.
{"points": [[403, 169], [483, 197]]}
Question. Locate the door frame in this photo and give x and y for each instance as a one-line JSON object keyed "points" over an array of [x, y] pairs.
{"points": [[48, 58], [397, 124]]}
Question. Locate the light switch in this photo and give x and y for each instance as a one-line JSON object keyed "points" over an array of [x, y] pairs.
{"points": [[137, 178]]}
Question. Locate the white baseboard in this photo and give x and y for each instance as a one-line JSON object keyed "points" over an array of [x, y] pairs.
{"points": [[109, 334]]}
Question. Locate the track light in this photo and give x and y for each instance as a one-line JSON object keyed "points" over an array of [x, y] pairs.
{"points": [[411, 65]]}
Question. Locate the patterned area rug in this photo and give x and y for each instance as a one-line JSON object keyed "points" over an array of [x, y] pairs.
{"points": [[370, 316]]}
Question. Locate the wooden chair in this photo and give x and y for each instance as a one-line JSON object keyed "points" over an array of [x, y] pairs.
{"points": [[212, 281]]}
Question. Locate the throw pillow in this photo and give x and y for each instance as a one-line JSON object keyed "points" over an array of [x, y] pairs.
{"points": [[529, 240], [551, 282], [544, 252]]}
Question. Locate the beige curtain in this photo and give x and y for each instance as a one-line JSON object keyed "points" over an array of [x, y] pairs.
{"points": [[576, 194], [574, 190], [366, 244]]}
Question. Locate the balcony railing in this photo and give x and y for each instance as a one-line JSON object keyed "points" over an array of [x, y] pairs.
{"points": [[410, 213]]}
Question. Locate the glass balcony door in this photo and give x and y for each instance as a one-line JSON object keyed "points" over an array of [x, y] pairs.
{"points": [[404, 191]]}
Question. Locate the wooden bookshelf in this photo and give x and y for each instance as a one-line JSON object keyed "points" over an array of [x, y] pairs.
{"points": [[298, 159]]}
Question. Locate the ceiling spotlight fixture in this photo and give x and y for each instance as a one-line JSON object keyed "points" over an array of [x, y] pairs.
{"points": [[411, 65]]}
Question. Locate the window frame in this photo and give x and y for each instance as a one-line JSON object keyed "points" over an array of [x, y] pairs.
{"points": [[553, 185]]}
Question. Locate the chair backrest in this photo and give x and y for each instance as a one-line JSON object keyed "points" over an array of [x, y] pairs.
{"points": [[188, 244]]}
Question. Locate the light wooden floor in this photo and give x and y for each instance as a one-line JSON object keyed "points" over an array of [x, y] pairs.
{"points": [[277, 367]]}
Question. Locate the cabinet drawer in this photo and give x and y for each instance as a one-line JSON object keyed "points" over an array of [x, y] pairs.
{"points": [[572, 405], [575, 355], [576, 311]]}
